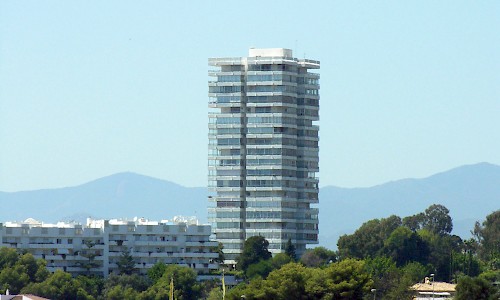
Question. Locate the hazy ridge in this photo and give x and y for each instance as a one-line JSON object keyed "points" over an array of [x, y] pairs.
{"points": [[470, 192]]}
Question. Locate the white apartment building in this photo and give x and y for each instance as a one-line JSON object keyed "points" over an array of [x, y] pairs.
{"points": [[97, 247], [263, 150]]}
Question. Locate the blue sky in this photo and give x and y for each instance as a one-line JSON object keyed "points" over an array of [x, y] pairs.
{"points": [[91, 88]]}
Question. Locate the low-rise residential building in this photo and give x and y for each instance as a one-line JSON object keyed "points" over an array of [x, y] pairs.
{"points": [[96, 248]]}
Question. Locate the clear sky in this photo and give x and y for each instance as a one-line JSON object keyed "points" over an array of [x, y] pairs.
{"points": [[91, 88]]}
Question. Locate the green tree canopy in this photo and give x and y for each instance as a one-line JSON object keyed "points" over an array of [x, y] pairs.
{"points": [[318, 256], [487, 235], [255, 249], [475, 288], [437, 219], [368, 240]]}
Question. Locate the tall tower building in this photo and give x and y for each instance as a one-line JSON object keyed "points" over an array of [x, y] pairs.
{"points": [[263, 150]]}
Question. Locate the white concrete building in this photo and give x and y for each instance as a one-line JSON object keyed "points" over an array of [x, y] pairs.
{"points": [[97, 247], [263, 149]]}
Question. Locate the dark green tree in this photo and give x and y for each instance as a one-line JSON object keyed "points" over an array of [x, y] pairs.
{"points": [[185, 285], [280, 260], [415, 222], [90, 254], [318, 257], [290, 250], [368, 240], [126, 263], [58, 286], [255, 249], [262, 269], [220, 250], [157, 271], [487, 236], [437, 219], [124, 282], [475, 288], [404, 246]]}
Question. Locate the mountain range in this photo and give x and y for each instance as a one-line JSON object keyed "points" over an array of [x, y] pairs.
{"points": [[470, 193]]}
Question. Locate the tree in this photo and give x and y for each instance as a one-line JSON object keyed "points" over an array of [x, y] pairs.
{"points": [[124, 282], [8, 257], [437, 219], [475, 288], [487, 236], [280, 260], [348, 280], [289, 282], [185, 285], [368, 240], [290, 250], [318, 256], [157, 271], [220, 250], [59, 285], [90, 254], [255, 249], [215, 294], [415, 222], [404, 246], [262, 269], [126, 264]]}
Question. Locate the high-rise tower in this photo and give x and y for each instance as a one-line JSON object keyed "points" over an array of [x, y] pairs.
{"points": [[263, 150]]}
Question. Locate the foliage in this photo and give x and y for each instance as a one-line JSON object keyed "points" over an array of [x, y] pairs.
{"points": [[368, 240], [437, 220], [126, 263], [18, 270], [220, 250], [280, 260], [215, 294], [404, 246], [415, 222], [290, 250], [157, 271], [475, 288], [185, 285], [59, 285], [254, 250], [261, 268], [348, 279], [487, 236], [319, 256]]}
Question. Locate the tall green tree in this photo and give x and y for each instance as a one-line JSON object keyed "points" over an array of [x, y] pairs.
{"points": [[368, 240], [290, 250], [475, 288], [126, 263], [255, 249], [404, 246], [437, 220], [185, 285], [487, 236], [318, 256], [58, 286]]}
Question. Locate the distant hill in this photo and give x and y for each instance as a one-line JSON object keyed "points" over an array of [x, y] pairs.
{"points": [[122, 195], [469, 192]]}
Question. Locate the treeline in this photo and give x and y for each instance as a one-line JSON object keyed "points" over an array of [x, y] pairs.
{"points": [[380, 260], [22, 273]]}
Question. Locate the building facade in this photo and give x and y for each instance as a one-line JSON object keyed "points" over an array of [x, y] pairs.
{"points": [[263, 150], [97, 247]]}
